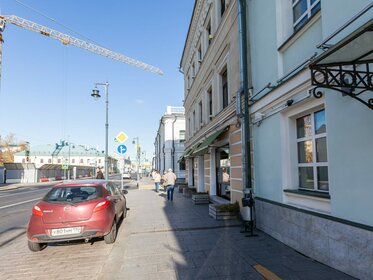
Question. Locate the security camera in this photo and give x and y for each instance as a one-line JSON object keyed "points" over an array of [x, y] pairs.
{"points": [[289, 102]]}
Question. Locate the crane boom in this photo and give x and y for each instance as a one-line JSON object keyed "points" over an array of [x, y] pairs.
{"points": [[70, 40]]}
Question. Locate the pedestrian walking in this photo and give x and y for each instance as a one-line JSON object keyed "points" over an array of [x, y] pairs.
{"points": [[170, 178], [99, 174], [153, 173], [157, 180], [163, 181]]}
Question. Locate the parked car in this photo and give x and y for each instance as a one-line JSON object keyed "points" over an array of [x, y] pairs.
{"points": [[126, 175], [77, 210]]}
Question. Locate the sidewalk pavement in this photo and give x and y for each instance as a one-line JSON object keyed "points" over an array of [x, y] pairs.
{"points": [[178, 240]]}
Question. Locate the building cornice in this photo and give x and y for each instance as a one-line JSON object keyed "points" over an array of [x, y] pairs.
{"points": [[200, 12]]}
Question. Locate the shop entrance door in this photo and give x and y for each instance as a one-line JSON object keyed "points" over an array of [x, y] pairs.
{"points": [[223, 171]]}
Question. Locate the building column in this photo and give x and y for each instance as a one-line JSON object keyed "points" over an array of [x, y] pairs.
{"points": [[212, 171], [201, 174], [190, 172]]}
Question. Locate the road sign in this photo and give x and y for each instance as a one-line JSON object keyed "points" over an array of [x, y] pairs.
{"points": [[121, 137], [65, 166], [122, 149]]}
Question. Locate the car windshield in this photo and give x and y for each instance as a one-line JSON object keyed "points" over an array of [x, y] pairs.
{"points": [[73, 194]]}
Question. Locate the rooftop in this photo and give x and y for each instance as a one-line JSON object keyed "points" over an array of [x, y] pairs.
{"points": [[72, 150]]}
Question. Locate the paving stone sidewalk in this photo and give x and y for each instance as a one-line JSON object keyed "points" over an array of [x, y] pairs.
{"points": [[178, 240]]}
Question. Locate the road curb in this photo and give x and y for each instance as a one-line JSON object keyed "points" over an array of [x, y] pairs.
{"points": [[11, 235]]}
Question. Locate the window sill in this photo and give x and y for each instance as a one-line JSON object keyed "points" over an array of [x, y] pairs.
{"points": [[310, 200], [297, 34], [309, 193]]}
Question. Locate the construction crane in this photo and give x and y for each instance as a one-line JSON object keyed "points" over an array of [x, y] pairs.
{"points": [[69, 40]]}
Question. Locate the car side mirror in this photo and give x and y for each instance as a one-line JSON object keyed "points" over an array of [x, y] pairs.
{"points": [[124, 191]]}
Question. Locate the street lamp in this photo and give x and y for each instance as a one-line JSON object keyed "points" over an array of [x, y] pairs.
{"points": [[96, 95], [69, 159], [138, 150]]}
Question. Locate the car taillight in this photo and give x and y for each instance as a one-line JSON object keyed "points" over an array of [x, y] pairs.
{"points": [[101, 206], [37, 211]]}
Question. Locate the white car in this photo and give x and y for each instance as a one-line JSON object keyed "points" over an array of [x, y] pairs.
{"points": [[126, 176]]}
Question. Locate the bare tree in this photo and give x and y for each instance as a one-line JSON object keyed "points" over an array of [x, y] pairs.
{"points": [[9, 146]]}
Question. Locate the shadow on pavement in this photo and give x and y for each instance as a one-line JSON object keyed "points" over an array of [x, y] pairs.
{"points": [[179, 240]]}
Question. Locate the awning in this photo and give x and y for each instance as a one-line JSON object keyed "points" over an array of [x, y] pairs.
{"points": [[181, 159], [187, 154], [347, 66], [203, 147]]}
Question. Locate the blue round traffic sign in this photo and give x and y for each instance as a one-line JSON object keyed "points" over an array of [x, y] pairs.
{"points": [[122, 149]]}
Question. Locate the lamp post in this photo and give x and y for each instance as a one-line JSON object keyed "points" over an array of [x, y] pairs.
{"points": [[138, 150], [68, 143], [96, 95]]}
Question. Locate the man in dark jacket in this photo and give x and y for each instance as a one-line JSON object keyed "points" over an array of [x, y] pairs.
{"points": [[100, 175]]}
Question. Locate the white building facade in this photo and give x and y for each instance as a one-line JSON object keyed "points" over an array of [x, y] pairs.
{"points": [[169, 142], [212, 81], [70, 155]]}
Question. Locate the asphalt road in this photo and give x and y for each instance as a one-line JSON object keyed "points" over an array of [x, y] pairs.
{"points": [[16, 206]]}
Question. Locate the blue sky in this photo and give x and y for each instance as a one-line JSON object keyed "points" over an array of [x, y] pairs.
{"points": [[46, 86]]}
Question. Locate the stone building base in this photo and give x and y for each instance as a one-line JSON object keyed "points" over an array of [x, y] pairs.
{"points": [[337, 243]]}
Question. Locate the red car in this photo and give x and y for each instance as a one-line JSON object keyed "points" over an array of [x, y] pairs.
{"points": [[77, 210]]}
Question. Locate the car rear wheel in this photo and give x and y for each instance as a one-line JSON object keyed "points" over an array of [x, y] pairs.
{"points": [[110, 238], [36, 247]]}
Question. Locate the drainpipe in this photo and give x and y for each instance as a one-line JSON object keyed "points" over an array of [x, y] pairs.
{"points": [[173, 144], [164, 158], [244, 89], [155, 161], [160, 161]]}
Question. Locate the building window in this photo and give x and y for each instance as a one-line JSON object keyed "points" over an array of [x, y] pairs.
{"points": [[99, 160], [41, 160], [189, 127], [224, 87], [182, 136], [208, 33], [200, 113], [81, 161], [59, 160], [73, 160], [23, 160], [194, 121], [182, 165], [188, 81], [303, 10], [312, 152], [193, 70], [199, 55], [209, 102], [223, 6], [49, 160]]}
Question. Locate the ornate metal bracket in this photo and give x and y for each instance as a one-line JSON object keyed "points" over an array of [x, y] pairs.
{"points": [[346, 79]]}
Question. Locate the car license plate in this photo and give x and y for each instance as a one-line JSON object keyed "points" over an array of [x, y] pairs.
{"points": [[66, 231]]}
